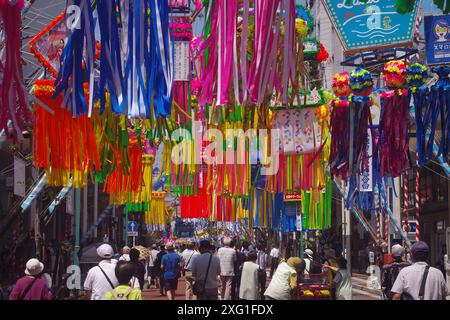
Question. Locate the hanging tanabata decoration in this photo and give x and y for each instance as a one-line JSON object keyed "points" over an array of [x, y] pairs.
{"points": [[339, 127], [417, 76], [360, 139], [13, 96], [392, 137]]}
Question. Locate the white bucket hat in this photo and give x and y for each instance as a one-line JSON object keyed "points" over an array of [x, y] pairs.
{"points": [[34, 267]]}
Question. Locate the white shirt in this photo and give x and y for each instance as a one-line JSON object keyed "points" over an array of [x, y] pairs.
{"points": [[279, 287], [152, 258], [262, 260], [248, 289], [275, 253], [227, 257], [97, 282], [410, 278], [124, 257], [188, 257]]}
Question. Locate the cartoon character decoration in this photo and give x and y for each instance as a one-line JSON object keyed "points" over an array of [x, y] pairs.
{"points": [[395, 119], [339, 126]]}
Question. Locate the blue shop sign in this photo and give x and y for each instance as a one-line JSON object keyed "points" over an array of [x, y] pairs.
{"points": [[372, 24], [437, 38]]}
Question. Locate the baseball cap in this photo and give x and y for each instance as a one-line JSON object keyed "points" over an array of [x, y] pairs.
{"points": [[420, 247], [105, 251]]}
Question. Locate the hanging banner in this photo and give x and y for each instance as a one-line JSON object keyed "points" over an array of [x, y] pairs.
{"points": [[40, 185], [437, 39], [61, 195], [19, 177], [374, 24]]}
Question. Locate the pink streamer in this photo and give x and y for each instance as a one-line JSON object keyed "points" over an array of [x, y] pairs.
{"points": [[13, 105]]}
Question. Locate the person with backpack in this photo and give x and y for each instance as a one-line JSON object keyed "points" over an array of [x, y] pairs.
{"points": [[101, 278], [170, 265], [420, 281], [124, 272], [31, 286], [390, 271]]}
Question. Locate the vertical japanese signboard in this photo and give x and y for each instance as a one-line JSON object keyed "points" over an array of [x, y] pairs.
{"points": [[437, 38]]}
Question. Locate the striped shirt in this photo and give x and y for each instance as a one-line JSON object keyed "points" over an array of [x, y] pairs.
{"points": [[227, 257]]}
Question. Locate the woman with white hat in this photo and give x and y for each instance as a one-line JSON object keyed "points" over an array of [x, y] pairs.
{"points": [[31, 286]]}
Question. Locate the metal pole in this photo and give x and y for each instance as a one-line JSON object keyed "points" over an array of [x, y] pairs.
{"points": [[76, 247], [96, 207], [125, 226]]}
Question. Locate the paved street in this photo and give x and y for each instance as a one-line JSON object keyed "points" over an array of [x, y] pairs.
{"points": [[360, 292]]}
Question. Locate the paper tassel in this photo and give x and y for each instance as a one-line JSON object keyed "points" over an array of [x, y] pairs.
{"points": [[13, 101]]}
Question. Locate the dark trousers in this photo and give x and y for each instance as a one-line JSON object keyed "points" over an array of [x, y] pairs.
{"points": [[274, 266], [236, 284], [161, 284], [262, 278]]}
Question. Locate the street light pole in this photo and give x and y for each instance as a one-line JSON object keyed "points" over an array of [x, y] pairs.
{"points": [[77, 226]]}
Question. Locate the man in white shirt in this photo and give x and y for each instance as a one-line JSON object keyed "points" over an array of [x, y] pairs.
{"points": [[188, 257], [227, 257], [263, 262], [101, 278], [409, 280], [275, 257], [125, 254], [151, 270]]}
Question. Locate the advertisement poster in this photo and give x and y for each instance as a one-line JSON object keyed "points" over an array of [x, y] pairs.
{"points": [[437, 38]]}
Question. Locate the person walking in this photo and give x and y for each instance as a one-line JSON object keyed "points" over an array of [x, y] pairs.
{"points": [[31, 286], [390, 271], [125, 254], [330, 261], [206, 267], [238, 265], [101, 278], [124, 291], [249, 286], [342, 280], [227, 257], [151, 268], [275, 260], [284, 281], [263, 262], [170, 265], [160, 274], [139, 268], [186, 262], [420, 281]]}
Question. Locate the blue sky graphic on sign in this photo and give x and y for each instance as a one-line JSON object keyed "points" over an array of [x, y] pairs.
{"points": [[437, 38], [372, 24]]}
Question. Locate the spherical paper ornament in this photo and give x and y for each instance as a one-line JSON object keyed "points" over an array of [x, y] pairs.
{"points": [[361, 82], [341, 85], [395, 74], [417, 75]]}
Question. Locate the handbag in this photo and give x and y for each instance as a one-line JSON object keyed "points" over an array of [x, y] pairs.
{"points": [[198, 288], [407, 296]]}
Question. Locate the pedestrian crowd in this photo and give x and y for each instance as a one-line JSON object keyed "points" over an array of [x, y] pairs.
{"points": [[234, 272]]}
